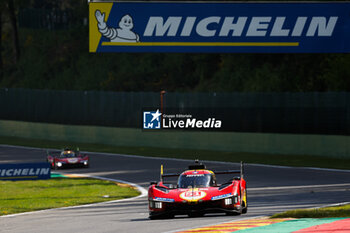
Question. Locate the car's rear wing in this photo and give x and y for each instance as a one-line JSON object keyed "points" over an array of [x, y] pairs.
{"points": [[240, 172], [56, 152], [201, 166]]}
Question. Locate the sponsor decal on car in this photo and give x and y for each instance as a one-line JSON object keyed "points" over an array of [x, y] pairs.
{"points": [[193, 195], [164, 199], [73, 160], [221, 196]]}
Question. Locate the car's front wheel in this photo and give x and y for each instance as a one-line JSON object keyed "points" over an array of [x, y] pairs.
{"points": [[245, 210], [161, 216], [232, 213], [195, 214]]}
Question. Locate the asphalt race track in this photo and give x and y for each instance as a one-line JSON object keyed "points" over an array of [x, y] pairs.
{"points": [[270, 190]]}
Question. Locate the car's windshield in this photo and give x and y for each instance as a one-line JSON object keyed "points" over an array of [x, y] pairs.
{"points": [[195, 181], [67, 154]]}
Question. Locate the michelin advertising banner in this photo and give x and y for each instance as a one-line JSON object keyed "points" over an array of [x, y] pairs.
{"points": [[25, 171], [219, 27]]}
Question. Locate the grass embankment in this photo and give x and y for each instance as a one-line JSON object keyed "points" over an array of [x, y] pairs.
{"points": [[327, 212], [24, 196], [286, 160]]}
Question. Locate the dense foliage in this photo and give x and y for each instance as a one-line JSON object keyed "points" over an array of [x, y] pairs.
{"points": [[59, 59]]}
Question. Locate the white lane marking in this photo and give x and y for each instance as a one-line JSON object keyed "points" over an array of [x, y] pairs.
{"points": [[141, 189], [186, 160], [286, 207], [333, 205], [213, 224], [299, 187], [217, 162], [289, 167]]}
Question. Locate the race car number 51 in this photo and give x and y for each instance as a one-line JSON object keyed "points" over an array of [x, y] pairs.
{"points": [[192, 195]]}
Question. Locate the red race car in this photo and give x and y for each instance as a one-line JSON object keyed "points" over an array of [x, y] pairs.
{"points": [[197, 193], [67, 158]]}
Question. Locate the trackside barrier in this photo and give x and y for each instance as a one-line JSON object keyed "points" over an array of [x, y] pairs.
{"points": [[322, 145], [25, 171], [287, 113]]}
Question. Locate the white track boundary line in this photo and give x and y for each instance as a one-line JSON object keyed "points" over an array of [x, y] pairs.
{"points": [[299, 187], [217, 162], [333, 205], [138, 187], [185, 160]]}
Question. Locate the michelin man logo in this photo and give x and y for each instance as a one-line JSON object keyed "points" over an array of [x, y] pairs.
{"points": [[151, 120], [121, 34]]}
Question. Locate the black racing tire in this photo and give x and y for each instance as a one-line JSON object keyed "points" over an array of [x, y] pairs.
{"points": [[233, 213], [161, 216], [195, 214], [152, 217]]}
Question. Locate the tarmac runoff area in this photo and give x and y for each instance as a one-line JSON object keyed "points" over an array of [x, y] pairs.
{"points": [[271, 189], [266, 225], [281, 225]]}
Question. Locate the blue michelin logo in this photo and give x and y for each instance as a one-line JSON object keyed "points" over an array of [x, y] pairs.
{"points": [[151, 120], [164, 199], [221, 196]]}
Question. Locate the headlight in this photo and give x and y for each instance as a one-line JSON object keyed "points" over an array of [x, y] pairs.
{"points": [[59, 164], [228, 201], [85, 163], [156, 204]]}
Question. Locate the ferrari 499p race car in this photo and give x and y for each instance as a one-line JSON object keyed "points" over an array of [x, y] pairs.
{"points": [[197, 193], [67, 158]]}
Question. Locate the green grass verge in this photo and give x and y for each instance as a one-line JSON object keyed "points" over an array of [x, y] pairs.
{"points": [[24, 196], [287, 160], [328, 212]]}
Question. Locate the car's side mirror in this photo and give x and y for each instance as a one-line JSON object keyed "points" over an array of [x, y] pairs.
{"points": [[153, 182]]}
